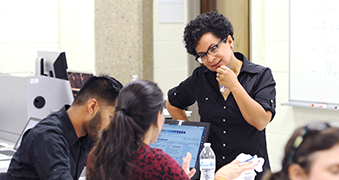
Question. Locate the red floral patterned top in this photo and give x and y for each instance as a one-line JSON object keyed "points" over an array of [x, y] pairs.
{"points": [[153, 163]]}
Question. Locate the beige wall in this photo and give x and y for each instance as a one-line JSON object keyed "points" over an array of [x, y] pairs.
{"points": [[124, 39], [170, 57], [237, 12]]}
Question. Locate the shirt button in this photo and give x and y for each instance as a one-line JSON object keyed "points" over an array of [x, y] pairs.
{"points": [[175, 94], [224, 107], [224, 145], [223, 157], [224, 132], [224, 120], [207, 99]]}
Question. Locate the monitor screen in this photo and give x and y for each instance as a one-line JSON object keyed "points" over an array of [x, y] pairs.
{"points": [[52, 64], [176, 139]]}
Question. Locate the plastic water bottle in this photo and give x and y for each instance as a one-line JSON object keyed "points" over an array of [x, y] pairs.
{"points": [[134, 77], [207, 163]]}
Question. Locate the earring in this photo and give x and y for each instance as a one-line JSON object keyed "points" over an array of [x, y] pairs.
{"points": [[231, 47]]}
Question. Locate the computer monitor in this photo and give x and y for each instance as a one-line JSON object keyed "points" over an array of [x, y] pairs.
{"points": [[52, 64], [179, 137]]}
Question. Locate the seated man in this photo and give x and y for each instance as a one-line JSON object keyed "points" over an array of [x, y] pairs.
{"points": [[57, 147]]}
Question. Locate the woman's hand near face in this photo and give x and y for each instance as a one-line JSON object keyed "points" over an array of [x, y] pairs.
{"points": [[186, 161], [227, 77], [250, 109]]}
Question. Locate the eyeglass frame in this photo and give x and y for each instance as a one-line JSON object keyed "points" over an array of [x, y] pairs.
{"points": [[217, 46], [302, 134]]}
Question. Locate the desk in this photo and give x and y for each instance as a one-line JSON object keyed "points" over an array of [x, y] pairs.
{"points": [[4, 164], [168, 116]]}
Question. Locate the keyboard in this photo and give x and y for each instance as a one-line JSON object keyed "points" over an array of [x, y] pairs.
{"points": [[7, 152]]}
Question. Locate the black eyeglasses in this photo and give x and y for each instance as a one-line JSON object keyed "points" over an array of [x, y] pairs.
{"points": [[313, 127], [214, 50]]}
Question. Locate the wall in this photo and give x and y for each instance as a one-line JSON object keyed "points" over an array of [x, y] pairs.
{"points": [[237, 12], [124, 39], [170, 57], [270, 47], [29, 26]]}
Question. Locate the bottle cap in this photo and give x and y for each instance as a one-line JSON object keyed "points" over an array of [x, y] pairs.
{"points": [[134, 77], [207, 144]]}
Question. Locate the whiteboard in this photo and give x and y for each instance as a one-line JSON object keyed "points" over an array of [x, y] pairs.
{"points": [[314, 52]]}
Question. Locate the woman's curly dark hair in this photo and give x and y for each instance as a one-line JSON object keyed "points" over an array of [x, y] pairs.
{"points": [[213, 22]]}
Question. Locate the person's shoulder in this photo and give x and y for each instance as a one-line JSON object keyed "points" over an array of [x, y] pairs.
{"points": [[48, 125], [256, 67], [148, 149], [199, 73], [252, 67], [50, 121]]}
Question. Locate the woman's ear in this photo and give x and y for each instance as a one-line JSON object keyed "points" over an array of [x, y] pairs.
{"points": [[160, 120], [157, 122], [230, 41], [296, 172]]}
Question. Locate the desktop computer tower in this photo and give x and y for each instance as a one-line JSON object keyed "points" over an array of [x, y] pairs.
{"points": [[31, 96]]}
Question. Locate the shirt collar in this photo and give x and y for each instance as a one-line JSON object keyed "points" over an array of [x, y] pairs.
{"points": [[247, 66], [69, 130]]}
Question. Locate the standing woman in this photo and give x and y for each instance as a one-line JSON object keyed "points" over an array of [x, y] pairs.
{"points": [[235, 95]]}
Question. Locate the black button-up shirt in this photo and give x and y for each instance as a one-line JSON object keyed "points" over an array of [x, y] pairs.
{"points": [[230, 134], [51, 150]]}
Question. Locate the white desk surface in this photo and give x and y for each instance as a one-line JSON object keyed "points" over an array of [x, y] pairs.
{"points": [[167, 115], [4, 164]]}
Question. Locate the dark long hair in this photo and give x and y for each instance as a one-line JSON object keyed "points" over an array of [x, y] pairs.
{"points": [[139, 103], [313, 141]]}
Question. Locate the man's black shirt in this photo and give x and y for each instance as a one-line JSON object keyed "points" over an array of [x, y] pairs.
{"points": [[51, 150]]}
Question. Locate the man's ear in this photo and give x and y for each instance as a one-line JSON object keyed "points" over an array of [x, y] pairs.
{"points": [[296, 172], [92, 106]]}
